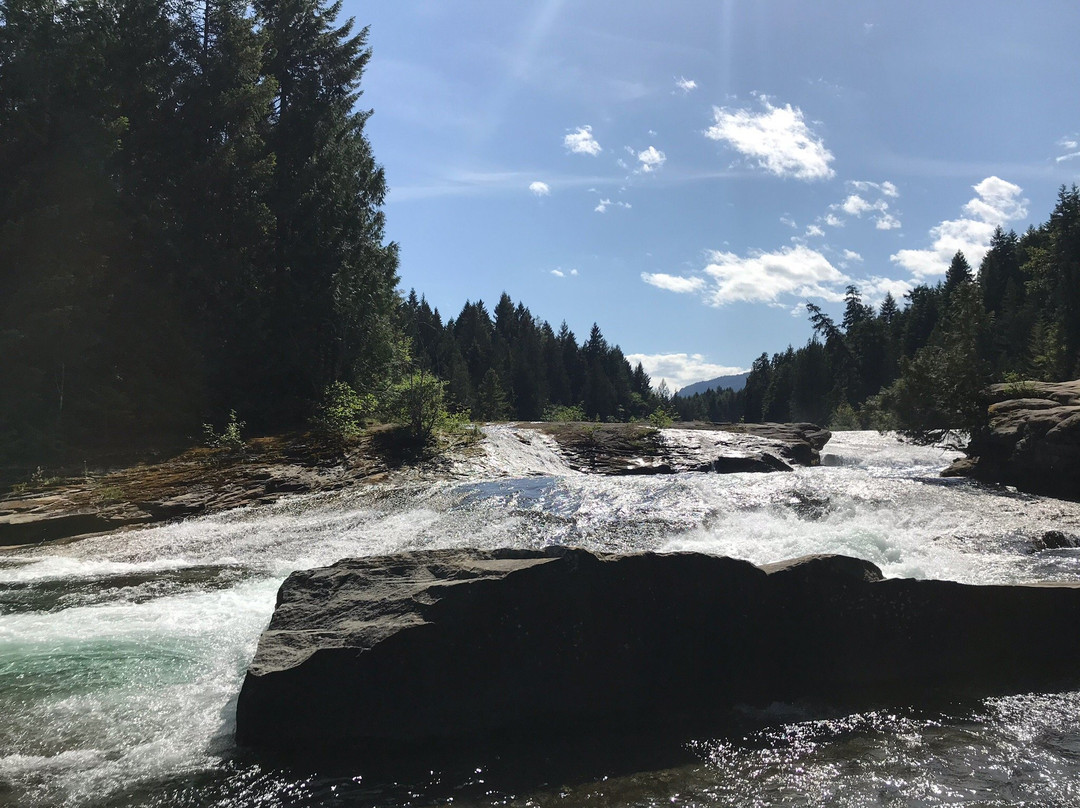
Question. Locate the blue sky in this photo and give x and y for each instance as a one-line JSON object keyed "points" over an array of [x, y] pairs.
{"points": [[688, 174]]}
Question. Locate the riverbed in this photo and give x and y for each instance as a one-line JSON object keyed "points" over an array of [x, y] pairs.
{"points": [[121, 655]]}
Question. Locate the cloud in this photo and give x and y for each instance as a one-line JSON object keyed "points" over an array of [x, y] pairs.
{"points": [[875, 288], [685, 84], [573, 272], [582, 142], [814, 230], [558, 273], [851, 255], [885, 188], [765, 277], [777, 138], [1071, 147], [651, 159], [540, 188], [607, 203], [679, 369], [673, 283], [856, 205], [996, 203]]}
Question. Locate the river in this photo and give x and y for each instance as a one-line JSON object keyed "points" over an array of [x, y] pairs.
{"points": [[121, 655]]}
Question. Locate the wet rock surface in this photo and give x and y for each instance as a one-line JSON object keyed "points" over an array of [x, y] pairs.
{"points": [[449, 648], [1033, 439], [197, 482], [632, 449]]}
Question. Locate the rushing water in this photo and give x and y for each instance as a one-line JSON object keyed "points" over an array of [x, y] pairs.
{"points": [[121, 655]]}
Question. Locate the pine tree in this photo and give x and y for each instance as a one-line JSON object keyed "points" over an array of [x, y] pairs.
{"points": [[334, 278]]}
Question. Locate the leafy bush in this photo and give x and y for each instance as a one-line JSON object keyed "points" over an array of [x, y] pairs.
{"points": [[660, 419], [844, 418], [1016, 386], [342, 412], [229, 439], [563, 414], [418, 402]]}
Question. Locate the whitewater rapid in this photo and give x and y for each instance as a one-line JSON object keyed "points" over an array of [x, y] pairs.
{"points": [[121, 655]]}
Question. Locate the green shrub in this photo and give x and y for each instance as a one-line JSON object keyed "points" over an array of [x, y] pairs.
{"points": [[342, 413], [563, 414], [1016, 386], [418, 402], [660, 419], [229, 439], [844, 418]]}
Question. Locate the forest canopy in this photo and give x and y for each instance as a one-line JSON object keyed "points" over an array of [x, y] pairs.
{"points": [[190, 220]]}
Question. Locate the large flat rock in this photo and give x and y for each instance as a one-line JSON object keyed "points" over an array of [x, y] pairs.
{"points": [[1032, 441], [454, 647], [637, 448]]}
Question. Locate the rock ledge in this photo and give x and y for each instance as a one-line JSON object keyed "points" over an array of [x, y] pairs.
{"points": [[457, 647]]}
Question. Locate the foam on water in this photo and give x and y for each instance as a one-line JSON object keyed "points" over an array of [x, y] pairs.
{"points": [[121, 655]]}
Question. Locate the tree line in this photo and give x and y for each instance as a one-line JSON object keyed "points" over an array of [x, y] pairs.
{"points": [[190, 219], [920, 366], [507, 364]]}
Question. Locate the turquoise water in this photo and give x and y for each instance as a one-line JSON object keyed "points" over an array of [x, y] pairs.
{"points": [[121, 656]]}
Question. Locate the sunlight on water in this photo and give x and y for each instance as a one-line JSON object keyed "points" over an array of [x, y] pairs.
{"points": [[121, 655]]}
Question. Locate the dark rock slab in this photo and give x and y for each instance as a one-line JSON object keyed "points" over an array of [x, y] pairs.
{"points": [[1032, 441], [639, 449], [451, 648]]}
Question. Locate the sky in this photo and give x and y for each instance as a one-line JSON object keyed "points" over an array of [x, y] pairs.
{"points": [[688, 175]]}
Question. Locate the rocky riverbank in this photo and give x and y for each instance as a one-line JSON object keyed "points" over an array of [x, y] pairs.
{"points": [[202, 481], [449, 648], [1032, 441]]}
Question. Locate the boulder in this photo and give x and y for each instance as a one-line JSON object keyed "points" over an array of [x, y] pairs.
{"points": [[1032, 441], [450, 648]]}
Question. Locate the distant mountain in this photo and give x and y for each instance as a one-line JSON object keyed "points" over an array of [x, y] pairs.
{"points": [[719, 383]]}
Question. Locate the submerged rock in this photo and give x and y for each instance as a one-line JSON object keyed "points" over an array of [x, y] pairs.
{"points": [[449, 648], [1033, 439]]}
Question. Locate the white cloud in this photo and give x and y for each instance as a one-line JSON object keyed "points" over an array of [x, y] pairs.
{"points": [[875, 288], [885, 188], [607, 203], [777, 138], [814, 230], [573, 272], [798, 271], [997, 202], [540, 188], [673, 283], [679, 369], [788, 221], [1072, 148], [651, 159], [685, 84], [856, 205], [558, 273], [851, 255], [582, 142]]}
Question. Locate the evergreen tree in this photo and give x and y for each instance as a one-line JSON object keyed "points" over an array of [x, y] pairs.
{"points": [[334, 278]]}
